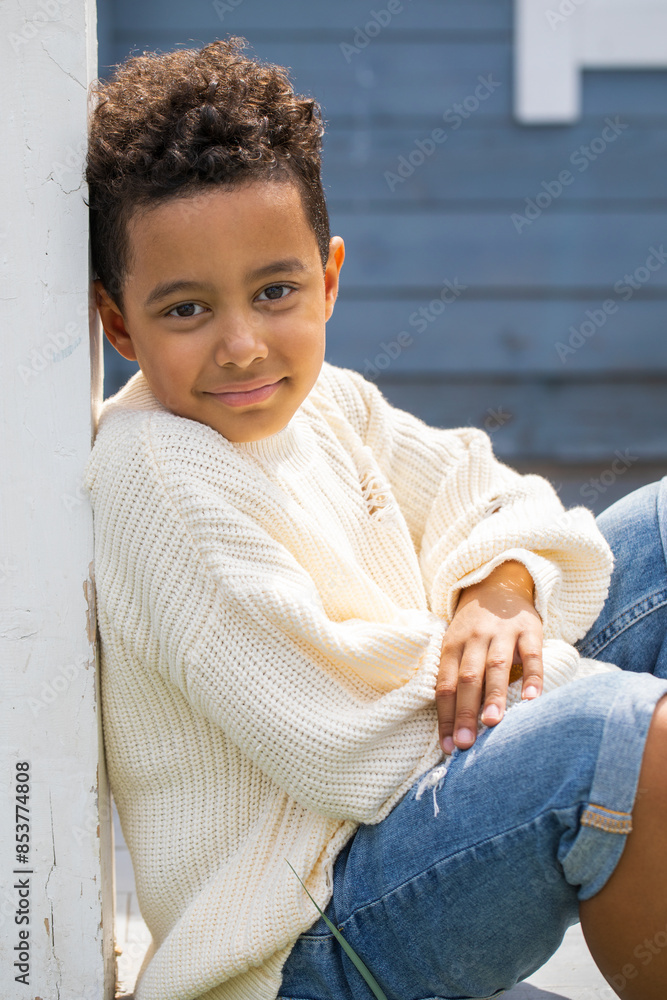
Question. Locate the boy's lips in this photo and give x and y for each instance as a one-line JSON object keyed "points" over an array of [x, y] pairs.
{"points": [[246, 393]]}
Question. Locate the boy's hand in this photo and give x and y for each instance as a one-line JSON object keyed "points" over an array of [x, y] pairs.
{"points": [[494, 626]]}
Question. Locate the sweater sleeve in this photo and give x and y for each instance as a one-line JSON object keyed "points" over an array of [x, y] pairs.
{"points": [[467, 512], [225, 613]]}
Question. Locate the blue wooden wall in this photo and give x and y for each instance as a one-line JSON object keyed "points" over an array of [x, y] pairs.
{"points": [[439, 246]]}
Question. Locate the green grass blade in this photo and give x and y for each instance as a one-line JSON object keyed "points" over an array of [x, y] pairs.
{"points": [[348, 949]]}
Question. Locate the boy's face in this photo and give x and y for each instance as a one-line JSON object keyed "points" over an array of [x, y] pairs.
{"points": [[225, 288]]}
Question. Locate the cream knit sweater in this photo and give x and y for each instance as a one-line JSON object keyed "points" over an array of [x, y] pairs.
{"points": [[271, 616]]}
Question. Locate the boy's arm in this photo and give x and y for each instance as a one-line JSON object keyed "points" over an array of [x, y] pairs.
{"points": [[340, 714], [468, 513]]}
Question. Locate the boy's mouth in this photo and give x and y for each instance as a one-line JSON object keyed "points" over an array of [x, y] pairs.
{"points": [[244, 397]]}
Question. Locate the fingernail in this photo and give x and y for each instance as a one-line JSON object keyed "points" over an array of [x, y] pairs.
{"points": [[464, 736], [530, 692], [448, 744], [491, 713]]}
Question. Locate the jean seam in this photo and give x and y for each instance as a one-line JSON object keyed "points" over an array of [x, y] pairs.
{"points": [[622, 622]]}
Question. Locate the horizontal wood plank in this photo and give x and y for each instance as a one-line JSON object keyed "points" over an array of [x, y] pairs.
{"points": [[596, 485], [534, 339], [558, 419], [558, 249], [498, 163], [295, 16]]}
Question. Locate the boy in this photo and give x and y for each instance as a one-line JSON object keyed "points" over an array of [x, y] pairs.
{"points": [[290, 572]]}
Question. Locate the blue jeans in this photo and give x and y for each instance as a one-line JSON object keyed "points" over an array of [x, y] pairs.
{"points": [[532, 819]]}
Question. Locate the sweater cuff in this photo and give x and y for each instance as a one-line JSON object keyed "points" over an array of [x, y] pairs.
{"points": [[545, 575]]}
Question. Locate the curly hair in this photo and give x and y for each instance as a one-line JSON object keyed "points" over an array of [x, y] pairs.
{"points": [[167, 125]]}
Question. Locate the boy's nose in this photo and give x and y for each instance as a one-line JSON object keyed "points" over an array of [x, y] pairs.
{"points": [[243, 343]]}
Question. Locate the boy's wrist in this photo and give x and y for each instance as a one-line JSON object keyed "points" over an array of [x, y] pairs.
{"points": [[511, 576]]}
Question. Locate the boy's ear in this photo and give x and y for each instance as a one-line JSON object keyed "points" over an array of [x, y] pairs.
{"points": [[332, 273], [113, 322]]}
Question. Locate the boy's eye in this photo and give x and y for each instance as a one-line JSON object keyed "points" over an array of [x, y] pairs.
{"points": [[185, 310], [274, 292]]}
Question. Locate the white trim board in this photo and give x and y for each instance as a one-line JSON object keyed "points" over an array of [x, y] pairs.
{"points": [[56, 897], [555, 40]]}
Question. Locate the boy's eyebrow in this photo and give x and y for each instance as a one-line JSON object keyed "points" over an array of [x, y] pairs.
{"points": [[166, 288], [276, 266]]}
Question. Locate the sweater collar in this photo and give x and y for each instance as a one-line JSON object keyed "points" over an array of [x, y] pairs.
{"points": [[136, 394], [293, 445]]}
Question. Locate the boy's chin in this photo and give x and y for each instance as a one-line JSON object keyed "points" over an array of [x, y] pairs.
{"points": [[248, 437], [246, 433]]}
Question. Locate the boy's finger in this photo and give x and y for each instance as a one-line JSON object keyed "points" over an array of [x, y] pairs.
{"points": [[445, 696], [469, 694], [529, 646], [498, 663]]}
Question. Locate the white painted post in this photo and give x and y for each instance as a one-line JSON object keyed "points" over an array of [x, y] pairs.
{"points": [[56, 901]]}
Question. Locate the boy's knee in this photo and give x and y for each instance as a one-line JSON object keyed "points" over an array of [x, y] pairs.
{"points": [[649, 811]]}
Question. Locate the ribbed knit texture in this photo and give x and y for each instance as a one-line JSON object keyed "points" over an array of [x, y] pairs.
{"points": [[271, 616]]}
